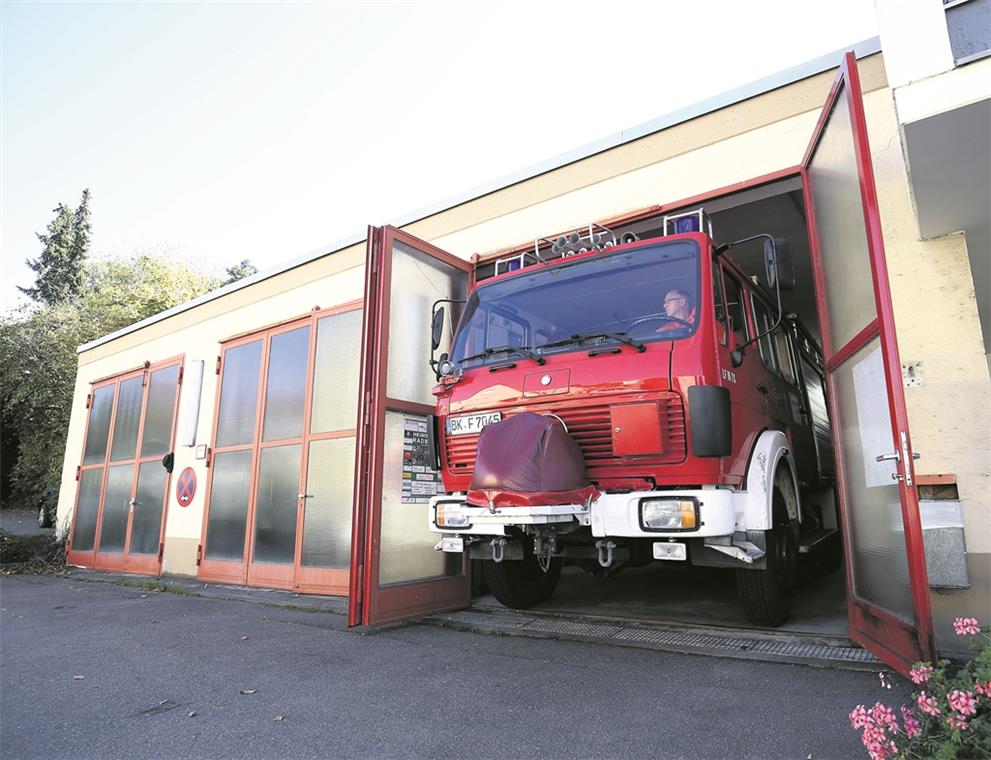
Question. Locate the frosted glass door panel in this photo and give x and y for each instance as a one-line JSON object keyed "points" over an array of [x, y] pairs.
{"points": [[116, 505], [418, 281], [327, 514], [335, 373], [874, 507], [156, 438], [228, 506], [239, 395], [87, 508], [407, 551], [285, 390], [99, 425], [146, 526], [276, 504], [125, 445], [839, 211]]}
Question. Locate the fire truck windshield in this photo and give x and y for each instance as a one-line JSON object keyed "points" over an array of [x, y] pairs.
{"points": [[633, 296]]}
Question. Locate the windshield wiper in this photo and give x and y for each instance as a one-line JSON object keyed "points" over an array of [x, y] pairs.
{"points": [[522, 350], [582, 337]]}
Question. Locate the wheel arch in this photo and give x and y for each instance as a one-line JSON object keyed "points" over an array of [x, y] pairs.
{"points": [[770, 466]]}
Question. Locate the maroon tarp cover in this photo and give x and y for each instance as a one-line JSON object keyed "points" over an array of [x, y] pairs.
{"points": [[528, 460]]}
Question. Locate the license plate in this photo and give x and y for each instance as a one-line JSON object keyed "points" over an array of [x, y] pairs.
{"points": [[471, 423]]}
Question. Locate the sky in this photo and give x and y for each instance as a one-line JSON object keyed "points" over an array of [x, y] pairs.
{"points": [[216, 132]]}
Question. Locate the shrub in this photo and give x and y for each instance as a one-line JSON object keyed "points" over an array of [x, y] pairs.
{"points": [[40, 553], [951, 713]]}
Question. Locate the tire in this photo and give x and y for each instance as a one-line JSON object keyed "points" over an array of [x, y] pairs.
{"points": [[521, 584], [766, 594]]}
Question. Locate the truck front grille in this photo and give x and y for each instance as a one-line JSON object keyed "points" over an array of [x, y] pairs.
{"points": [[591, 428]]}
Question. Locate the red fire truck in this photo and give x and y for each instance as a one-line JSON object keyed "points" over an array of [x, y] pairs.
{"points": [[612, 401]]}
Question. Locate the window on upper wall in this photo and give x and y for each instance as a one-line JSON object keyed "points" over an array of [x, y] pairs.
{"points": [[735, 310], [968, 25]]}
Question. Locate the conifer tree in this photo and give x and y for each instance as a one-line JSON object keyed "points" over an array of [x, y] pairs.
{"points": [[59, 269]]}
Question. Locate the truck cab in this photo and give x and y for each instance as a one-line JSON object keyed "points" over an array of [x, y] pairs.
{"points": [[685, 411]]}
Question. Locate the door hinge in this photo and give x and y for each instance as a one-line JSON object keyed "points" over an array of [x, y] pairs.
{"points": [[218, 365], [199, 554], [79, 472], [161, 551], [181, 371], [209, 456], [89, 399]]}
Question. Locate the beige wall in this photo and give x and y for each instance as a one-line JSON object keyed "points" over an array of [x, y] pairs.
{"points": [[950, 415]]}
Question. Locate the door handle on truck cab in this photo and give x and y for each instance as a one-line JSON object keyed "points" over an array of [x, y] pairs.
{"points": [[761, 388]]}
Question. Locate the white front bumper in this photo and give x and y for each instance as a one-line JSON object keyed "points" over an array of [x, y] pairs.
{"points": [[609, 515]]}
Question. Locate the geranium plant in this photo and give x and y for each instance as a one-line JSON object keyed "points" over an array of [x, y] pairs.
{"points": [[950, 716]]}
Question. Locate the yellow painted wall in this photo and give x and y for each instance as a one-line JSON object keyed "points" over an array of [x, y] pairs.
{"points": [[950, 415]]}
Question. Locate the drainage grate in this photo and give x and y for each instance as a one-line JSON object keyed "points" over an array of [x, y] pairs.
{"points": [[785, 648]]}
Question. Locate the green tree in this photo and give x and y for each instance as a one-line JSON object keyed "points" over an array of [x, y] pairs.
{"points": [[59, 269], [239, 271], [37, 376]]}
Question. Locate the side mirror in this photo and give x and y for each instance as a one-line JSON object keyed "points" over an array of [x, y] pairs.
{"points": [[779, 270], [436, 328], [736, 357]]}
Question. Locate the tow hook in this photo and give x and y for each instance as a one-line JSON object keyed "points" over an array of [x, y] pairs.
{"points": [[498, 549], [605, 552]]}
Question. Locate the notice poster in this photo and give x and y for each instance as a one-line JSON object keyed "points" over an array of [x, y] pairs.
{"points": [[420, 479]]}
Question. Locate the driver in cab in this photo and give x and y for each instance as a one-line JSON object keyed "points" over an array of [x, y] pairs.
{"points": [[678, 307]]}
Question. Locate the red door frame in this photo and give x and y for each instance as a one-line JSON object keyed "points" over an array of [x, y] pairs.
{"points": [[150, 564], [294, 576], [897, 642], [369, 603]]}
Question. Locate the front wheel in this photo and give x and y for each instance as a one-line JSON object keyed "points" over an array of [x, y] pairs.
{"points": [[522, 584], [766, 594]]}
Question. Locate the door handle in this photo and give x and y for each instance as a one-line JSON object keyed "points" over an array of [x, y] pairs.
{"points": [[305, 495], [889, 457], [762, 388]]}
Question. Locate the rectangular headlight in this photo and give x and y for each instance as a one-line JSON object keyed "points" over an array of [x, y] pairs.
{"points": [[450, 514], [668, 514]]}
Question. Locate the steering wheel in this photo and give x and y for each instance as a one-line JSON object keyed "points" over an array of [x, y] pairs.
{"points": [[657, 318]]}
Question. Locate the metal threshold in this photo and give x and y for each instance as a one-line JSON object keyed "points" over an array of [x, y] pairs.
{"points": [[815, 650]]}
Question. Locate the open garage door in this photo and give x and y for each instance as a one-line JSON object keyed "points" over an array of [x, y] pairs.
{"points": [[396, 573], [888, 588]]}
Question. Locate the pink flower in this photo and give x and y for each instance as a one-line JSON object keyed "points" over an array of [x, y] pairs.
{"points": [[958, 723], [858, 718], [912, 726], [983, 688], [962, 701], [884, 716], [921, 673], [966, 626], [927, 704], [874, 738]]}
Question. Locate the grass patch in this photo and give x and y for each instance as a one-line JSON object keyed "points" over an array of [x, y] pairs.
{"points": [[155, 586], [42, 554]]}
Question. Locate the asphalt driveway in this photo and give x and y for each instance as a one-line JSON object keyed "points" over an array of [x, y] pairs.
{"points": [[92, 669]]}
